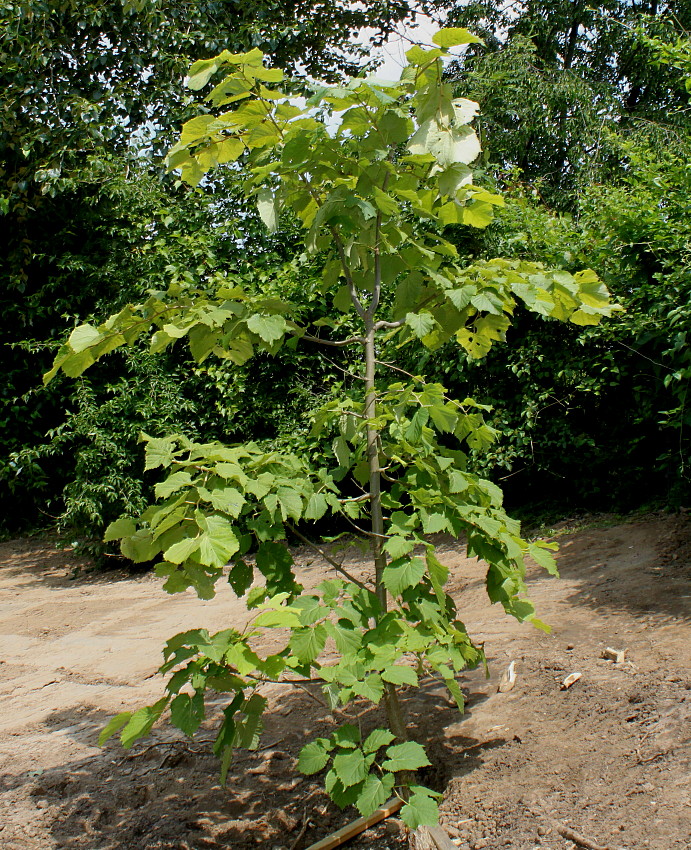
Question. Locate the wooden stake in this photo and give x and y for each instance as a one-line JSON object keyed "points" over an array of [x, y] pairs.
{"points": [[357, 826]]}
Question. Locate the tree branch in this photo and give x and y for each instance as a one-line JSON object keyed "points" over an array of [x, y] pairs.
{"points": [[382, 324], [334, 343], [397, 369], [338, 567]]}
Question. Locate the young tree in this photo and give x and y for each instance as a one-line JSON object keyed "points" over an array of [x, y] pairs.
{"points": [[374, 171]]}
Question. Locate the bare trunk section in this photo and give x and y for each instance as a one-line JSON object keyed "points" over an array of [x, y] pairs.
{"points": [[394, 713]]}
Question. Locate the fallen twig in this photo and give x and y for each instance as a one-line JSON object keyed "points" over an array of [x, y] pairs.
{"points": [[640, 760], [571, 834], [303, 830], [579, 839]]}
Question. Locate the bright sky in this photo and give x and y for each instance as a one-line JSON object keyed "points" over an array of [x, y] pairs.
{"points": [[393, 51]]}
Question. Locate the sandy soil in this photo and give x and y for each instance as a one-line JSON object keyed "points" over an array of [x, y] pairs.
{"points": [[610, 757]]}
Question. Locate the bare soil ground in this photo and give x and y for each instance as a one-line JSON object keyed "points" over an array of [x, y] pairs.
{"points": [[610, 757]]}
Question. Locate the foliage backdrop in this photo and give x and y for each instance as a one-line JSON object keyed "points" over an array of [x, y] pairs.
{"points": [[584, 126]]}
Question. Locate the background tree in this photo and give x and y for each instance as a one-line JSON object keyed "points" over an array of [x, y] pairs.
{"points": [[91, 94]]}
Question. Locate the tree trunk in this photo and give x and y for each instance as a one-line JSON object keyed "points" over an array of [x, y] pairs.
{"points": [[394, 713]]}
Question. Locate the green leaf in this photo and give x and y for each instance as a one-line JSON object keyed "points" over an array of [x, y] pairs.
{"points": [[371, 688], [444, 417], [113, 726], [314, 756], [181, 550], [438, 574], [541, 554], [218, 544], [279, 618], [407, 756], [139, 548], [348, 639], [269, 328], [308, 643], [141, 721], [228, 500], [455, 690], [399, 674], [173, 482], [266, 204], [187, 713], [453, 36], [420, 323], [346, 736], [375, 792], [434, 523], [341, 795], [83, 337], [201, 72], [316, 506], [385, 203], [403, 574], [478, 214], [350, 767], [342, 300], [420, 810], [159, 452], [274, 560], [398, 547], [290, 502], [123, 527], [449, 146], [414, 430], [376, 739]]}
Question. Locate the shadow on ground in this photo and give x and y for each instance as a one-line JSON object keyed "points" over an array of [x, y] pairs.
{"points": [[165, 792], [643, 568]]}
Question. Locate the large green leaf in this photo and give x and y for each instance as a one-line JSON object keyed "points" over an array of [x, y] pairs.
{"points": [[374, 793], [314, 756], [420, 810], [173, 482], [266, 204], [187, 712], [376, 739], [140, 723], [269, 328], [180, 551], [308, 643], [350, 767], [453, 36], [404, 573], [407, 756], [399, 674], [219, 543]]}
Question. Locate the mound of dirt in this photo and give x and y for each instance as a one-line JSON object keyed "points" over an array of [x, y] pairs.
{"points": [[606, 760]]}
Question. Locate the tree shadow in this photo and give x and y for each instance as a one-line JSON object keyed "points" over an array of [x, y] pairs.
{"points": [[643, 567], [37, 561], [165, 792]]}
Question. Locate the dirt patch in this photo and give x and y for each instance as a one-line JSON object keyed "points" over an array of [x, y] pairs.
{"points": [[610, 757]]}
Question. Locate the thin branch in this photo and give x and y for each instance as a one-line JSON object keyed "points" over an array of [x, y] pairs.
{"points": [[335, 343], [382, 324], [345, 372], [398, 369], [354, 297], [362, 530], [353, 499], [338, 567], [644, 356]]}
